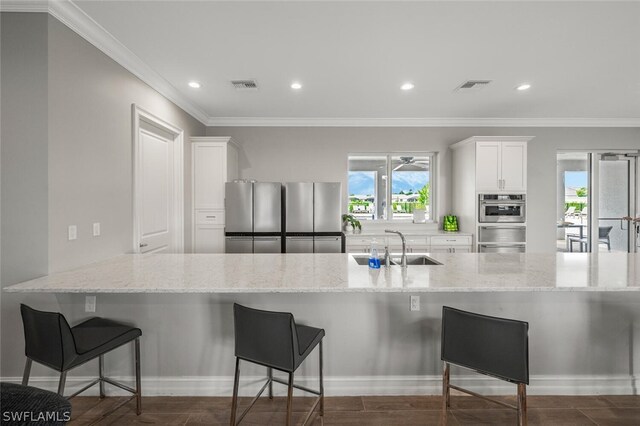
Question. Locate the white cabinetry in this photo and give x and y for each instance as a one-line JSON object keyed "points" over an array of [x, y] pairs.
{"points": [[450, 244], [501, 166], [415, 244], [214, 161], [486, 165]]}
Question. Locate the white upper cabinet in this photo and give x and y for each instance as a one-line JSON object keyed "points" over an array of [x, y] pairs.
{"points": [[501, 166], [514, 166], [209, 162], [487, 166]]}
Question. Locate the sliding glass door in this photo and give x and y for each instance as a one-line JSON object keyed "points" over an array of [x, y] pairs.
{"points": [[616, 201], [597, 199]]}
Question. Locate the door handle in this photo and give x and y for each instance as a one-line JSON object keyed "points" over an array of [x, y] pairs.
{"points": [[143, 245]]}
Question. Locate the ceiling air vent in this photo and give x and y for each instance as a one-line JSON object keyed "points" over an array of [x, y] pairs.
{"points": [[245, 84], [472, 85]]}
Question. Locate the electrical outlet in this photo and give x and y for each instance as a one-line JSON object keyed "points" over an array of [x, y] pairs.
{"points": [[414, 304], [96, 229], [73, 232], [90, 304]]}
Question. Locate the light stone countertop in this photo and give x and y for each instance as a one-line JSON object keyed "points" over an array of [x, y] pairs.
{"points": [[335, 273]]}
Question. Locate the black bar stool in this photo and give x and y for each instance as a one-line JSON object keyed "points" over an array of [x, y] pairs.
{"points": [[24, 405], [274, 340], [50, 341], [493, 346]]}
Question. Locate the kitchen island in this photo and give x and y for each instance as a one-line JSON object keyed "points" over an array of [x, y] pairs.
{"points": [[336, 273], [583, 312]]}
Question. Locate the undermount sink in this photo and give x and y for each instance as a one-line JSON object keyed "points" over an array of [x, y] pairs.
{"points": [[411, 260]]}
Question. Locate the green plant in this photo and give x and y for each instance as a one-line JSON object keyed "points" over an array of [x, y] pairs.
{"points": [[581, 192], [577, 205], [351, 219], [423, 195]]}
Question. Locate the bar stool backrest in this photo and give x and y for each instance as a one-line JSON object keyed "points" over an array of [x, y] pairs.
{"points": [[48, 338], [264, 337], [494, 346]]}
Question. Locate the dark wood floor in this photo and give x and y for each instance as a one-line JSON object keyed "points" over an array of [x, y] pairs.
{"points": [[367, 410]]}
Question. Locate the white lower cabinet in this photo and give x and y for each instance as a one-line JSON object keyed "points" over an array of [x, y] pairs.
{"points": [[450, 243], [208, 239], [415, 244]]}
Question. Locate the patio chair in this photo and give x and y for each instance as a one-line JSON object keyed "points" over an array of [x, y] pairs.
{"points": [[570, 211], [603, 238], [583, 213]]}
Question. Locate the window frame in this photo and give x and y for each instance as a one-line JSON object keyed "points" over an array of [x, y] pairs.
{"points": [[433, 180]]}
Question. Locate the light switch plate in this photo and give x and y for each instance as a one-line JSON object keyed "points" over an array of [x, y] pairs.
{"points": [[96, 229], [414, 304], [90, 304], [73, 232]]}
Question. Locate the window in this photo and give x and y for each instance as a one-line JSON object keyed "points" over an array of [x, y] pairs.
{"points": [[404, 179]]}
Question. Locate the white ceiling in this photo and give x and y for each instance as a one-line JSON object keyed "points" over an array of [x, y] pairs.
{"points": [[582, 58]]}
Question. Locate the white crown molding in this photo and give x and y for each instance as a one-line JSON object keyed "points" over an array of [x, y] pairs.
{"points": [[354, 385], [420, 122], [41, 6], [82, 24]]}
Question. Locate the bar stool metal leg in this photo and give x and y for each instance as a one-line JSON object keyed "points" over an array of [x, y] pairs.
{"points": [[27, 372], [270, 376], [446, 393], [321, 383], [63, 379], [138, 378], [101, 374], [522, 404], [234, 399], [289, 400]]}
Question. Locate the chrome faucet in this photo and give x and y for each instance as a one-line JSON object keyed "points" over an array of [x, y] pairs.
{"points": [[387, 257], [403, 260]]}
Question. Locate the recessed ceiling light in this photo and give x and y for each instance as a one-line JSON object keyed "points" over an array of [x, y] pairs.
{"points": [[523, 86], [296, 85], [407, 86], [194, 84]]}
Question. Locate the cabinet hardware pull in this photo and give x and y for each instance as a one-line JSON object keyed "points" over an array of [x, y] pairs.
{"points": [[211, 217], [143, 244]]}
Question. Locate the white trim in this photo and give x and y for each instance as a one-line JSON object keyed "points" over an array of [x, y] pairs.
{"points": [[356, 385], [78, 21], [420, 122], [37, 6], [139, 114], [474, 139]]}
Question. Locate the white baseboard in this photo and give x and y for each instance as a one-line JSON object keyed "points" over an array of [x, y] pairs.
{"points": [[356, 385]]}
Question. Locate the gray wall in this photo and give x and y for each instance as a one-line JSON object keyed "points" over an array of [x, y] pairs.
{"points": [[90, 169], [299, 153], [66, 158], [24, 164], [87, 129]]}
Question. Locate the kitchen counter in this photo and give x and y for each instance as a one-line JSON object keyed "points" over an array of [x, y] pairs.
{"points": [[336, 273]]}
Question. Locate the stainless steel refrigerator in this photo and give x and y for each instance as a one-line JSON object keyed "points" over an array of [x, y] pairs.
{"points": [[253, 213], [313, 217]]}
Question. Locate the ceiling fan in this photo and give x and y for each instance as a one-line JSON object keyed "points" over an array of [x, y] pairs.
{"points": [[411, 161]]}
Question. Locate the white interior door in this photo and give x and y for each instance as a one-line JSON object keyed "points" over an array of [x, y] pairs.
{"points": [[155, 190], [158, 195]]}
